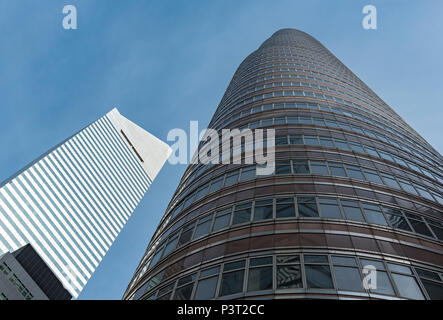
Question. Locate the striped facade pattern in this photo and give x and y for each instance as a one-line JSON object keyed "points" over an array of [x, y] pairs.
{"points": [[71, 203]]}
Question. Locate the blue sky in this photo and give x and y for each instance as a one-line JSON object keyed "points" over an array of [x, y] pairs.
{"points": [[163, 63]]}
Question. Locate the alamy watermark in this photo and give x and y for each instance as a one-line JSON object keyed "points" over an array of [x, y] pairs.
{"points": [[226, 146]]}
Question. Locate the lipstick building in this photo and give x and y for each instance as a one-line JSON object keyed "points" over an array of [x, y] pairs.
{"points": [[354, 185]]}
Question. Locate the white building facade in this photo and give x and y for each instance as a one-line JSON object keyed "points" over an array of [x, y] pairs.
{"points": [[72, 202]]}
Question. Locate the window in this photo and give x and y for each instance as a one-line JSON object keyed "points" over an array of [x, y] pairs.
{"points": [[295, 140], [300, 167], [348, 278], [329, 208], [437, 227], [203, 227], [337, 169], [318, 167], [232, 281], [285, 208], [355, 172], [231, 178], [172, 243], [207, 284], [373, 214], [372, 176], [307, 207], [318, 275], [390, 181], [260, 274], [406, 186], [432, 283], [311, 140], [396, 219], [242, 213], [5, 268], [283, 167], [186, 234], [288, 272], [352, 210], [384, 285], [281, 140], [222, 219], [326, 142], [407, 286], [184, 287], [216, 184], [247, 173], [356, 147], [263, 210], [341, 144], [418, 225]]}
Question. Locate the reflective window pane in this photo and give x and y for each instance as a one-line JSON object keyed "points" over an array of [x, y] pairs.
{"points": [[289, 277], [206, 289], [318, 276], [260, 279], [348, 279], [407, 286]]}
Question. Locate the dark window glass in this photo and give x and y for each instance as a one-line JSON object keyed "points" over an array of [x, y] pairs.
{"points": [[329, 208], [234, 265], [222, 219], [295, 140], [247, 174], [231, 178], [397, 221], [352, 211], [216, 184], [300, 167], [427, 274], [242, 213], [232, 282], [420, 227], [203, 228], [186, 234], [282, 167], [374, 215], [288, 259], [384, 285], [348, 279], [285, 208], [206, 289], [260, 279], [289, 277], [184, 293], [315, 259], [263, 210], [281, 140], [320, 168], [337, 169], [434, 289], [307, 207], [346, 261], [202, 192], [170, 246], [318, 276]]}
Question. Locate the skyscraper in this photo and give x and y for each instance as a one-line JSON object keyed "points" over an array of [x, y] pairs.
{"points": [[71, 203], [356, 194]]}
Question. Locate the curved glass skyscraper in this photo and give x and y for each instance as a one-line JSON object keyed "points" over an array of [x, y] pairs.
{"points": [[353, 210]]}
